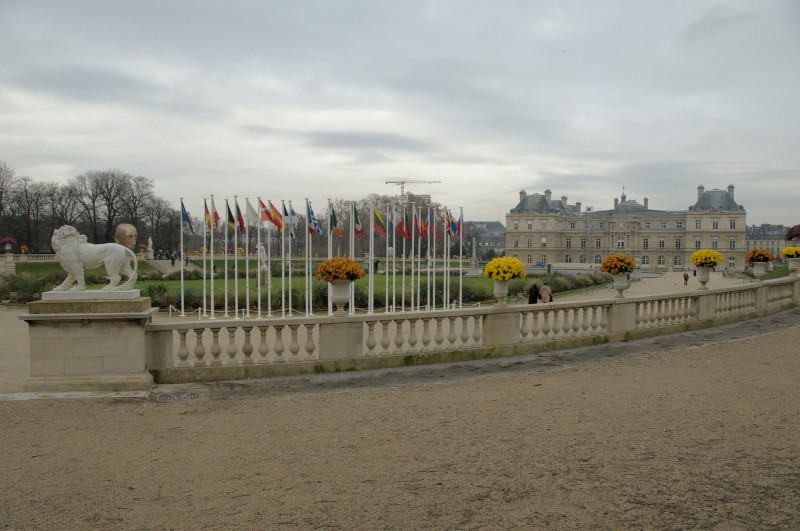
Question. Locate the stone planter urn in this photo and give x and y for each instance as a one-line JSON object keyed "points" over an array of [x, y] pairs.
{"points": [[340, 295], [794, 265], [703, 276], [501, 291], [759, 269], [621, 283]]}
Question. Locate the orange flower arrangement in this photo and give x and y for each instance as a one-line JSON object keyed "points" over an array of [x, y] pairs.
{"points": [[343, 268], [617, 263], [759, 255]]}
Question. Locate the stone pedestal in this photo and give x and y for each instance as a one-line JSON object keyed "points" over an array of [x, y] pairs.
{"points": [[79, 343]]}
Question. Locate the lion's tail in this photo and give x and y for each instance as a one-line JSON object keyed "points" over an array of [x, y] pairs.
{"points": [[132, 280]]}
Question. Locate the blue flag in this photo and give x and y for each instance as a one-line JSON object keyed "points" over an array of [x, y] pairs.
{"points": [[185, 217]]}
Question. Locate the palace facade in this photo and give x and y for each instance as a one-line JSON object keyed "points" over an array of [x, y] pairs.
{"points": [[541, 229]]}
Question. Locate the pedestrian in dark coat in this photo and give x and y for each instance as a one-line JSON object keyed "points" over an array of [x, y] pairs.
{"points": [[533, 294]]}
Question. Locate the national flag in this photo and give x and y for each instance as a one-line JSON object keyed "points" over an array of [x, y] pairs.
{"points": [[398, 224], [275, 216], [452, 227], [231, 219], [185, 217], [208, 214], [418, 225], [239, 218], [389, 223], [250, 213], [311, 221], [460, 225], [214, 215], [263, 212], [333, 224], [288, 218], [380, 227], [406, 226], [292, 216], [358, 229]]}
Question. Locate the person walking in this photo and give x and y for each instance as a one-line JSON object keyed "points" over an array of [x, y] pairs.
{"points": [[686, 279], [546, 293], [533, 294]]}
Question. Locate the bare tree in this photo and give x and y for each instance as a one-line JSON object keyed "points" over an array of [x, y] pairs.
{"points": [[27, 202], [7, 180], [139, 194], [86, 192]]}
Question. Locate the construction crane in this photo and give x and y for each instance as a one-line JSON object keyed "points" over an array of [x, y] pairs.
{"points": [[403, 182]]}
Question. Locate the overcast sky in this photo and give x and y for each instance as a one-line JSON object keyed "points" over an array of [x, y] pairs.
{"points": [[319, 99]]}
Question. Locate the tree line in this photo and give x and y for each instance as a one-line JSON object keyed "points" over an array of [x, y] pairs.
{"points": [[95, 202]]}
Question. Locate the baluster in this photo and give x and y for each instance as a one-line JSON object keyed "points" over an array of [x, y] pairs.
{"points": [[247, 348], [371, 342], [639, 309], [546, 323], [183, 350], [426, 335], [398, 336], [653, 313], [294, 346], [595, 318], [585, 320], [464, 329], [576, 321], [660, 314], [439, 337], [476, 329], [279, 348], [412, 334], [385, 337], [535, 329], [525, 328], [309, 341], [263, 348], [673, 310], [604, 318], [451, 334], [565, 323], [231, 350], [199, 348], [216, 348]]}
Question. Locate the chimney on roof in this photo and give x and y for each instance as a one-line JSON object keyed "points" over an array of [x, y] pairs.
{"points": [[564, 201], [547, 196], [522, 195], [578, 206], [646, 201], [730, 190], [616, 203], [700, 190]]}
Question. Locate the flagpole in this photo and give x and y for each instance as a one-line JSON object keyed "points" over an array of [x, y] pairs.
{"points": [[269, 268], [283, 263], [330, 253], [183, 314], [306, 264], [421, 235], [259, 264], [394, 260], [214, 221], [386, 273], [227, 226], [353, 254], [236, 259], [205, 253], [247, 260], [371, 288], [413, 239], [460, 227]]}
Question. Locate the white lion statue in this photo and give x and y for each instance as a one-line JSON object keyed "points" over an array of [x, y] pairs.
{"points": [[75, 254]]}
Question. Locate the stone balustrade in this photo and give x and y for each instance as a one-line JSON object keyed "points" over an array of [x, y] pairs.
{"points": [[254, 348]]}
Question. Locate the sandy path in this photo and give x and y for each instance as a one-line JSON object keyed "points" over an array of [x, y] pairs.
{"points": [[700, 437]]}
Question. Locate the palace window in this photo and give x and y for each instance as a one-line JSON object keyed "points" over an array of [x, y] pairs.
{"points": [[583, 243], [598, 242], [732, 243], [583, 259], [544, 241], [620, 244], [661, 243], [698, 223], [530, 242], [661, 260], [597, 259], [733, 225], [714, 244], [715, 225], [602, 224], [697, 243], [530, 225], [645, 243], [677, 243], [544, 225], [732, 262], [679, 224], [663, 224], [515, 243], [572, 224], [645, 260], [544, 258], [516, 225], [529, 259], [647, 224], [676, 261], [568, 259], [569, 243]]}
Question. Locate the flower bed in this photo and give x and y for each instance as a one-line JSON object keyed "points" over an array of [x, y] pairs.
{"points": [[617, 263]]}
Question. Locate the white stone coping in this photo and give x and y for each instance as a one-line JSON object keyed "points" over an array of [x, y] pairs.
{"points": [[91, 295], [72, 317]]}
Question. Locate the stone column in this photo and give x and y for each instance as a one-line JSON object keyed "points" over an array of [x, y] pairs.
{"points": [[88, 341]]}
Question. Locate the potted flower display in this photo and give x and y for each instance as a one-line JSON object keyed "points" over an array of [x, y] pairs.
{"points": [[339, 273], [759, 258], [23, 249], [792, 233], [501, 270], [7, 242], [792, 255], [619, 266], [705, 260]]}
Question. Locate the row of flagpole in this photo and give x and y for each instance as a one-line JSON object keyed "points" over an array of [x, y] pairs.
{"points": [[286, 221]]}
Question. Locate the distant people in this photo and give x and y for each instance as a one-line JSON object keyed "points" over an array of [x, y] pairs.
{"points": [[377, 262], [126, 235], [686, 279], [694, 272], [173, 256], [546, 293], [533, 294]]}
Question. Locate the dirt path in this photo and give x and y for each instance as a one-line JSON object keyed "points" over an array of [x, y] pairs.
{"points": [[698, 433]]}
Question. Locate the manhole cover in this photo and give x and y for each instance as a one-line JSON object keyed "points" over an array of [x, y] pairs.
{"points": [[177, 397]]}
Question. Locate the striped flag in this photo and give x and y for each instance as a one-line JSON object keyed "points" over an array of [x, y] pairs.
{"points": [[380, 226]]}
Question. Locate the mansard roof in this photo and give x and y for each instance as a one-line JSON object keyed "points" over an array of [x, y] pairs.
{"points": [[716, 200], [538, 203]]}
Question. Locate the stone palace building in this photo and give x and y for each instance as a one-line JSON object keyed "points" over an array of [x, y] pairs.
{"points": [[541, 229]]}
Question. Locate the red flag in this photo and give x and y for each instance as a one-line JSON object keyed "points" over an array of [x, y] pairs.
{"points": [[275, 216], [358, 228], [263, 212]]}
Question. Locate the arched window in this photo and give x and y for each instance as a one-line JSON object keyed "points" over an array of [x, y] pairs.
{"points": [[568, 259], [583, 259], [645, 260], [677, 261], [597, 259], [661, 260], [529, 259]]}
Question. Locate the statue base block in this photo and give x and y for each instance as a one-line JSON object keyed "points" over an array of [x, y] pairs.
{"points": [[88, 345]]}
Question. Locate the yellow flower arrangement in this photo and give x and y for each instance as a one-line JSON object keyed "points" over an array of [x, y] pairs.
{"points": [[707, 258], [791, 252], [504, 268], [759, 255], [240, 250], [617, 263], [343, 268]]}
